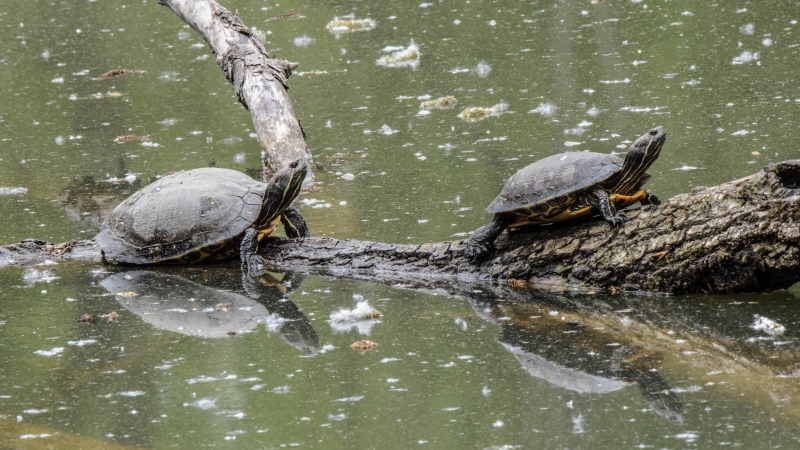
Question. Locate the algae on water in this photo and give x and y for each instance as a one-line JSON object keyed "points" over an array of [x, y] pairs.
{"points": [[478, 113]]}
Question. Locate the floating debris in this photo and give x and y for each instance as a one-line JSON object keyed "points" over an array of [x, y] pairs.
{"points": [[400, 56], [13, 190], [259, 34], [766, 325], [362, 311], [131, 137], [231, 333], [112, 317], [116, 73], [745, 57], [482, 69], [363, 345], [82, 342], [303, 41], [545, 109], [319, 72], [362, 317], [126, 294], [349, 24], [52, 352], [478, 113], [222, 306], [289, 15], [448, 102], [85, 318]]}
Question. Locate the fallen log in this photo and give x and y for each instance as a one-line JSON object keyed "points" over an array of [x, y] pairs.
{"points": [[259, 82], [740, 236]]}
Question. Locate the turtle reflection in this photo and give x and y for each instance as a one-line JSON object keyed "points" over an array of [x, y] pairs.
{"points": [[572, 356], [173, 303]]}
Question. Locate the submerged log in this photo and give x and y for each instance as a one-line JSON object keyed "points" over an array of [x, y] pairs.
{"points": [[736, 237], [259, 82]]}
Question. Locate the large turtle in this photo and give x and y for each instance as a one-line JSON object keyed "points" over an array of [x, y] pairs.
{"points": [[203, 214], [570, 185]]}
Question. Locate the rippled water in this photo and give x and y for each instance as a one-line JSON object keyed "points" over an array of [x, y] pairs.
{"points": [[455, 366]]}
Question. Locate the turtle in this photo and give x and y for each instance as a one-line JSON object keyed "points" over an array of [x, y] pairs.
{"points": [[570, 185], [201, 215]]}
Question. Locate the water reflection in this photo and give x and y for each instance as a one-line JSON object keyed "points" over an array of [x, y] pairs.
{"points": [[598, 344], [570, 355], [173, 303]]}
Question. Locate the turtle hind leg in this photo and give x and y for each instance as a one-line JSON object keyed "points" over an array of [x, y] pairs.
{"points": [[293, 224], [649, 199], [252, 263], [606, 208], [481, 243]]}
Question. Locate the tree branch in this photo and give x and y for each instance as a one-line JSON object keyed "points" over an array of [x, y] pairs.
{"points": [[259, 82]]}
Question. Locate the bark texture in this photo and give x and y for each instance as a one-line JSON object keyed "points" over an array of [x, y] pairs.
{"points": [[737, 237], [259, 82]]}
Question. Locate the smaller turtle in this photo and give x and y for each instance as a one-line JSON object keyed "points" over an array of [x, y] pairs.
{"points": [[203, 214], [570, 185]]}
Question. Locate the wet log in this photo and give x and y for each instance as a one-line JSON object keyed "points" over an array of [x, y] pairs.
{"points": [[259, 81], [741, 236]]}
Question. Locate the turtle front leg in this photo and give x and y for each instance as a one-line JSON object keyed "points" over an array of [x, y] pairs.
{"points": [[649, 199], [481, 243], [293, 224], [253, 264], [607, 208]]}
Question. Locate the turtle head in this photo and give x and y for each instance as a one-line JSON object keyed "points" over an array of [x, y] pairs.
{"points": [[283, 188], [642, 153], [648, 146]]}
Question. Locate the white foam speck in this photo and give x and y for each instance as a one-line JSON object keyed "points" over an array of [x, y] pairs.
{"points": [[82, 342], [402, 57], [350, 399], [131, 393], [545, 109], [482, 69], [303, 41], [203, 403], [767, 325], [745, 57], [13, 190], [52, 352]]}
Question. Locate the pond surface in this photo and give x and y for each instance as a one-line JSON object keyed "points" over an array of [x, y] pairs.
{"points": [[456, 366]]}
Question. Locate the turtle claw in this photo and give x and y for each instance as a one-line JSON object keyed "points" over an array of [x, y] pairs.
{"points": [[616, 221], [477, 252], [650, 199]]}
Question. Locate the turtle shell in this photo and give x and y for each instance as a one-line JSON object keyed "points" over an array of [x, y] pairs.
{"points": [[553, 177], [187, 216]]}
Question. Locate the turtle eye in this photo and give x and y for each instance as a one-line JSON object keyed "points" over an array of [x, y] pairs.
{"points": [[653, 132], [294, 164]]}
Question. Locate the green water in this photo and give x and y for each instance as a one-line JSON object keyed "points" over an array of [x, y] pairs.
{"points": [[456, 366]]}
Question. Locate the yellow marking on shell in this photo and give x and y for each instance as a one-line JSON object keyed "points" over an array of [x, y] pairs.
{"points": [[537, 218]]}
